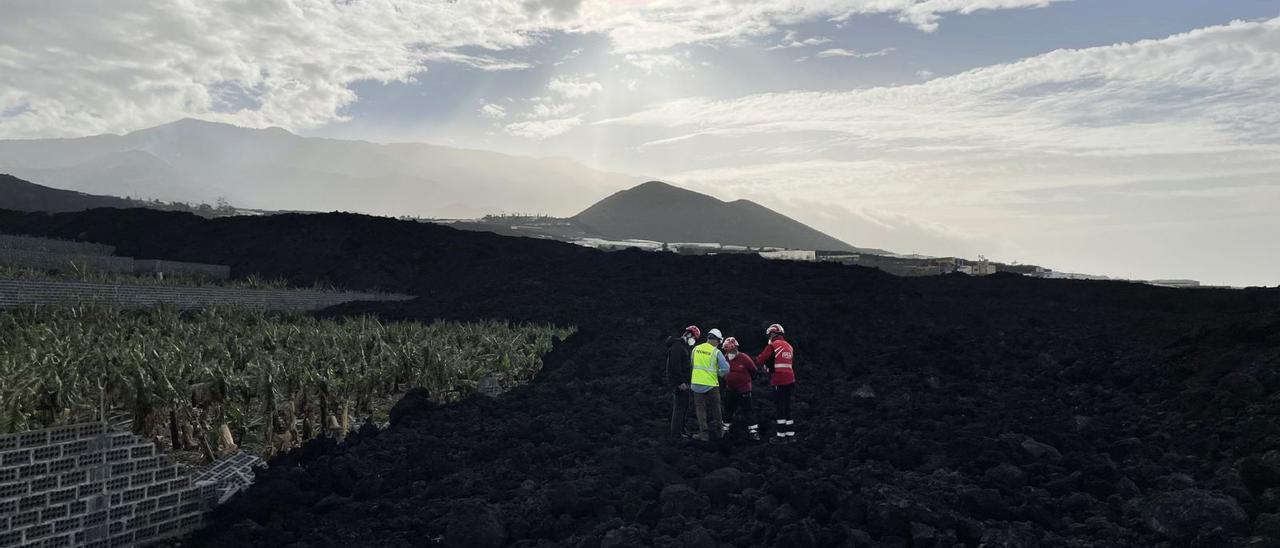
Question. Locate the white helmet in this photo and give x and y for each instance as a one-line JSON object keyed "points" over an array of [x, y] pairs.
{"points": [[715, 334], [775, 329]]}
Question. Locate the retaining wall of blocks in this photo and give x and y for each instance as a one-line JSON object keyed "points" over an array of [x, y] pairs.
{"points": [[86, 485], [15, 294], [168, 268], [58, 261], [49, 245]]}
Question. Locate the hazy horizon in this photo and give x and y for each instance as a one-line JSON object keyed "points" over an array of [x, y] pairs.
{"points": [[1139, 139]]}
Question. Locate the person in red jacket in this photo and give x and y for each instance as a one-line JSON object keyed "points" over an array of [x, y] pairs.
{"points": [[778, 358], [738, 396]]}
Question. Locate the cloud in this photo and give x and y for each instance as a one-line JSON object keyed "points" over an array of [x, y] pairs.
{"points": [[493, 112], [660, 24], [550, 110], [1150, 159], [925, 15], [118, 66], [543, 129], [924, 74], [1210, 89], [574, 87], [789, 41], [841, 52], [656, 62], [482, 62]]}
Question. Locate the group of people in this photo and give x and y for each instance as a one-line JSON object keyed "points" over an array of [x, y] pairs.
{"points": [[696, 371]]}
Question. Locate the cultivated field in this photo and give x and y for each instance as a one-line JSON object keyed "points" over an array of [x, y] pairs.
{"points": [[212, 379]]}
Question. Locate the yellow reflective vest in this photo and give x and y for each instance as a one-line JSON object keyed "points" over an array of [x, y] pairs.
{"points": [[705, 365]]}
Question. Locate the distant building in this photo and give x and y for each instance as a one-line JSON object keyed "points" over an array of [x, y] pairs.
{"points": [[844, 257], [1175, 283], [984, 267], [791, 255], [617, 245]]}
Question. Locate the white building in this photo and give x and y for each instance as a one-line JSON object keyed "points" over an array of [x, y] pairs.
{"points": [[791, 255]]}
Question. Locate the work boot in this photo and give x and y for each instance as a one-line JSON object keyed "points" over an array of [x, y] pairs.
{"points": [[778, 440], [753, 435], [701, 436]]}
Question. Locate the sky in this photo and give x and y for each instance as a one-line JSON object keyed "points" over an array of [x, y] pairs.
{"points": [[1134, 139]]}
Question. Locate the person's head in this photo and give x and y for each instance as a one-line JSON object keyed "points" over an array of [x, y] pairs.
{"points": [[714, 337], [730, 347], [691, 335], [774, 331]]}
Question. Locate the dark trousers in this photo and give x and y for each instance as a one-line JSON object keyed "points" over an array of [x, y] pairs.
{"points": [[707, 406], [679, 410], [782, 423], [739, 403]]}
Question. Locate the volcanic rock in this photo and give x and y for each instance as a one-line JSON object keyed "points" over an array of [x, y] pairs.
{"points": [[1006, 476], [1267, 525], [680, 500], [416, 400], [864, 396], [474, 524], [718, 485], [1182, 515], [1240, 386], [1261, 472], [1041, 450]]}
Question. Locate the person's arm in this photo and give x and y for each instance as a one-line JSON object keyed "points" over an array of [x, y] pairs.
{"points": [[765, 357], [749, 365], [660, 376], [723, 363]]}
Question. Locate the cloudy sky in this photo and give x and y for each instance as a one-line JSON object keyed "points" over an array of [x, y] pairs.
{"points": [[1130, 138]]}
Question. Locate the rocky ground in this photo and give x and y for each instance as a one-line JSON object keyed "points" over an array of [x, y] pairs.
{"points": [[996, 411]]}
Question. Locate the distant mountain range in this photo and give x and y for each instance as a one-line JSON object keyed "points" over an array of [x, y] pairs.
{"points": [[665, 213], [196, 161]]}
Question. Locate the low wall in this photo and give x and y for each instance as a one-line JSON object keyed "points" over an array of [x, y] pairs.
{"points": [[45, 260], [84, 485], [30, 293], [177, 268], [47, 245]]}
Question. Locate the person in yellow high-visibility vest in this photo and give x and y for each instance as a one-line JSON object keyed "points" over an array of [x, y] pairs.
{"points": [[709, 364]]}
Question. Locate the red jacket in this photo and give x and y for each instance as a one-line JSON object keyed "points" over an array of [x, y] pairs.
{"points": [[741, 371], [778, 358]]}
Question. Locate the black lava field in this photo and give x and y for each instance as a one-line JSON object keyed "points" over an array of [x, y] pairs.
{"points": [[998, 411]]}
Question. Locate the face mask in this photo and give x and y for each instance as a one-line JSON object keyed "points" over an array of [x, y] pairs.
{"points": [[690, 341], [731, 355]]}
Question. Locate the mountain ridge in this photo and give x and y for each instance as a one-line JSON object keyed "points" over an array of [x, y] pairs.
{"points": [[660, 211], [272, 168], [19, 195]]}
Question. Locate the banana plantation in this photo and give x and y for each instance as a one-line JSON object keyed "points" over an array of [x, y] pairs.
{"points": [[213, 379]]}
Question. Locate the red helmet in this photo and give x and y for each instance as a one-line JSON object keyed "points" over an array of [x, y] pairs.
{"points": [[693, 330], [774, 329], [729, 345]]}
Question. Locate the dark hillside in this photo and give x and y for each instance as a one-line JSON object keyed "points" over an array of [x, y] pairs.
{"points": [[20, 195], [996, 411]]}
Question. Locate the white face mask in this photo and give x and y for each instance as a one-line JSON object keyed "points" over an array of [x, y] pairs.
{"points": [[690, 341], [731, 355]]}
